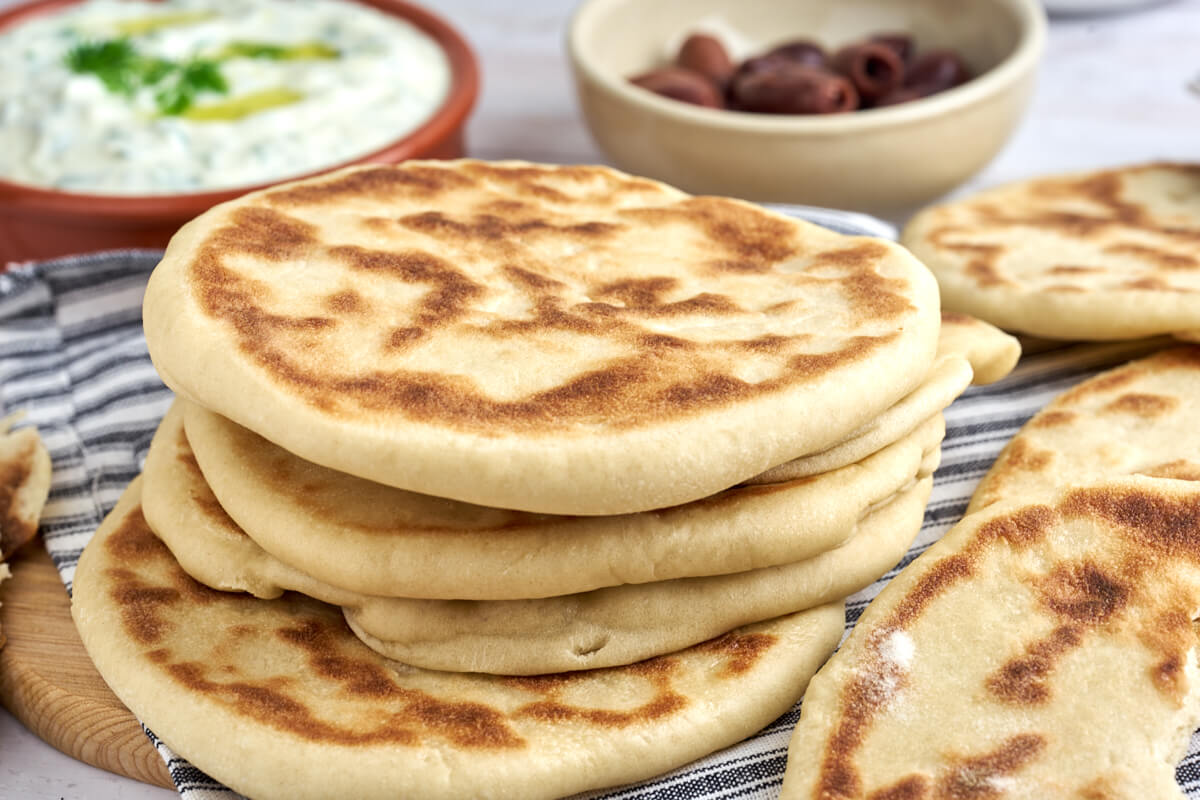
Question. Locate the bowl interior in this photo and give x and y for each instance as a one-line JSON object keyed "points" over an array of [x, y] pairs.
{"points": [[621, 38]]}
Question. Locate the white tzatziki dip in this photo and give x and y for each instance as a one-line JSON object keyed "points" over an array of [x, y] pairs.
{"points": [[133, 97]]}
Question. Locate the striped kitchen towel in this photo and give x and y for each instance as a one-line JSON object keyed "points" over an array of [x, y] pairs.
{"points": [[72, 355]]}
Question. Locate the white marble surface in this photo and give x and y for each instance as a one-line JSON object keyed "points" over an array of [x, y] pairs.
{"points": [[1112, 90]]}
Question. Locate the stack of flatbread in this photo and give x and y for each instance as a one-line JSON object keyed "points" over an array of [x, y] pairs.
{"points": [[1047, 645], [514, 480]]}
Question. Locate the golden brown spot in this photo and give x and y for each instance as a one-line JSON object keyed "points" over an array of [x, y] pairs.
{"points": [[747, 234], [1098, 789], [532, 280], [14, 473], [645, 296], [767, 343], [381, 183], [346, 301], [1053, 419], [660, 341], [913, 787], [467, 724], [269, 706], [401, 337], [142, 605], [815, 364], [1163, 259], [1024, 680], [1161, 522], [740, 651], [1181, 470], [873, 295], [452, 290], [1021, 455], [1171, 635], [1154, 284], [955, 318], [491, 228], [1083, 593], [260, 232], [133, 542], [986, 274], [1021, 528], [1101, 384], [663, 705], [1143, 405], [871, 688], [940, 577], [706, 390], [740, 266], [1064, 288], [974, 776], [1073, 269]]}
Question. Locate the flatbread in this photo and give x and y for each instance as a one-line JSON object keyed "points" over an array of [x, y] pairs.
{"points": [[970, 351], [24, 485], [603, 628], [374, 539], [622, 624], [1112, 254], [991, 351], [949, 377], [566, 340], [277, 699], [1042, 648], [1142, 417]]}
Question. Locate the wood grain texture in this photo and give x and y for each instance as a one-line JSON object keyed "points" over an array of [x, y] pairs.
{"points": [[48, 682]]}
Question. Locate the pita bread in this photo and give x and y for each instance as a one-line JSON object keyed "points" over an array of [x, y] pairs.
{"points": [[970, 351], [603, 628], [991, 351], [374, 539], [576, 340], [622, 624], [278, 699], [949, 377], [1142, 417], [1042, 648], [24, 485], [1113, 254]]}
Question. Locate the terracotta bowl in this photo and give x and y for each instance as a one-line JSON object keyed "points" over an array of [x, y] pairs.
{"points": [[42, 223], [882, 160]]}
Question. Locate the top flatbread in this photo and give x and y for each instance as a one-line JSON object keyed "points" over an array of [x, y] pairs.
{"points": [[1113, 254], [278, 699], [1041, 649], [566, 340], [1140, 418]]}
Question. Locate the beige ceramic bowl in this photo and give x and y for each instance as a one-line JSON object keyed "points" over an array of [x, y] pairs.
{"points": [[881, 160]]}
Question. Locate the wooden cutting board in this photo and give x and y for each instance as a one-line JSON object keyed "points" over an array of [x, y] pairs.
{"points": [[48, 682]]}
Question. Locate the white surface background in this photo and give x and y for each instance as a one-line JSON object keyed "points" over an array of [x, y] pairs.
{"points": [[1112, 90]]}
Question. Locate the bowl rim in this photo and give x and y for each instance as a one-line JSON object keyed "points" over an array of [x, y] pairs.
{"points": [[1030, 16], [446, 119]]}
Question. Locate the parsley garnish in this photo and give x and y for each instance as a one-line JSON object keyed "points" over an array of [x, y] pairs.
{"points": [[123, 71]]}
